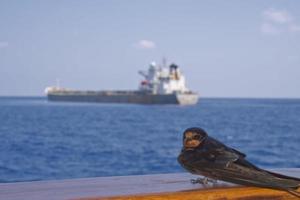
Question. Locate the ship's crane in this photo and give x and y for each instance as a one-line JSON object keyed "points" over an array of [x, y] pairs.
{"points": [[144, 74]]}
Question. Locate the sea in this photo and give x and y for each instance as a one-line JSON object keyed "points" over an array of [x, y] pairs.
{"points": [[42, 140]]}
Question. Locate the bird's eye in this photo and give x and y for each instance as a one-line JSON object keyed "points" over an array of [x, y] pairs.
{"points": [[196, 137], [188, 134]]}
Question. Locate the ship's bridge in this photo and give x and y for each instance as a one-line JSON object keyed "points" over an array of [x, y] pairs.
{"points": [[161, 80]]}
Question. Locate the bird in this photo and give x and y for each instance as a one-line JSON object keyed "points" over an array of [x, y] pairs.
{"points": [[206, 156]]}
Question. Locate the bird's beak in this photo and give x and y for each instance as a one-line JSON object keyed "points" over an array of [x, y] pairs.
{"points": [[191, 143]]}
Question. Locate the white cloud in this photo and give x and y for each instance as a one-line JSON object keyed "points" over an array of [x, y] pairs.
{"points": [[277, 16], [3, 44], [278, 21], [294, 28], [268, 28], [145, 44]]}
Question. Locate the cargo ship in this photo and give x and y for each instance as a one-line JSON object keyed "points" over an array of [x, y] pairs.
{"points": [[161, 85]]}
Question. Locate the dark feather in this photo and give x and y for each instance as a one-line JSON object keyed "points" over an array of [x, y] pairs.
{"points": [[215, 160]]}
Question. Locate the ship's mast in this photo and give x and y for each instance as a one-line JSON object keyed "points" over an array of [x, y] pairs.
{"points": [[164, 62]]}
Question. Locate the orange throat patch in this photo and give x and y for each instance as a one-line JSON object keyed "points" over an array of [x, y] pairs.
{"points": [[191, 143]]}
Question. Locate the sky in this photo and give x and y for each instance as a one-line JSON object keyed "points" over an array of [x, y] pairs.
{"points": [[228, 48]]}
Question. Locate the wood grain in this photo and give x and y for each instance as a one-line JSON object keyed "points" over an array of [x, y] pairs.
{"points": [[233, 193]]}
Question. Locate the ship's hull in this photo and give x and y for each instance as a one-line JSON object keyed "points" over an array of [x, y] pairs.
{"points": [[123, 97]]}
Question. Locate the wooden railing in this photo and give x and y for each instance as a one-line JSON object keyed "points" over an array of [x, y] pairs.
{"points": [[154, 187]]}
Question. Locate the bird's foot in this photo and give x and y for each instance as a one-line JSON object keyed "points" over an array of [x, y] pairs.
{"points": [[204, 181]]}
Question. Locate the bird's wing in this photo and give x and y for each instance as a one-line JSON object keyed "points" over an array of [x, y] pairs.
{"points": [[283, 176], [245, 176], [220, 153], [238, 152], [225, 157]]}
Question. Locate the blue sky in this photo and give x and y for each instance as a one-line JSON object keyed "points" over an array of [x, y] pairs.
{"points": [[225, 48]]}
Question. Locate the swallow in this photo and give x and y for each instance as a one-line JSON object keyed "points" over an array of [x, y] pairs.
{"points": [[206, 156]]}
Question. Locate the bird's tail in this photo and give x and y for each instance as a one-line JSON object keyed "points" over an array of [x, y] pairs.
{"points": [[287, 183], [293, 192]]}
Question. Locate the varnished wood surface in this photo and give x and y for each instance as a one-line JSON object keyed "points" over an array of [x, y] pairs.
{"points": [[232, 193], [160, 186]]}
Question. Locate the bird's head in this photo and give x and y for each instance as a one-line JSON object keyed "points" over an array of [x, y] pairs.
{"points": [[193, 137]]}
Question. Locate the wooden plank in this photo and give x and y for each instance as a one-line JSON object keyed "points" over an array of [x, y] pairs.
{"points": [[159, 186], [232, 193]]}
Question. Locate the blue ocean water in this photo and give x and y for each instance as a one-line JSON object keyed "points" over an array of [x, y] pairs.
{"points": [[42, 140]]}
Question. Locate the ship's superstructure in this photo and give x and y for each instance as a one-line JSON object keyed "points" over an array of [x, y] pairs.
{"points": [[161, 85], [160, 80]]}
